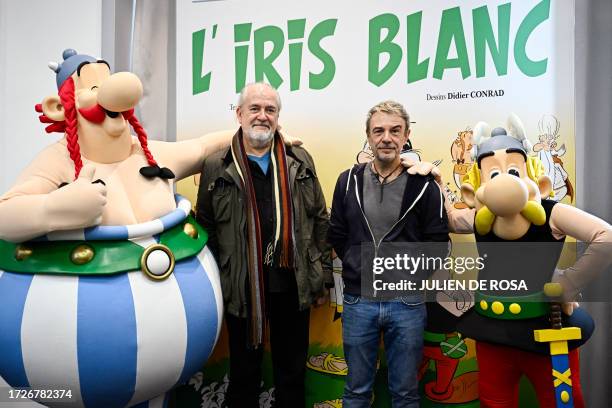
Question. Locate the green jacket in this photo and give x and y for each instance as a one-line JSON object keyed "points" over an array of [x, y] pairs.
{"points": [[220, 209]]}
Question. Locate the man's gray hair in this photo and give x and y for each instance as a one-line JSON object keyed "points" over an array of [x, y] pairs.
{"points": [[390, 107], [254, 84]]}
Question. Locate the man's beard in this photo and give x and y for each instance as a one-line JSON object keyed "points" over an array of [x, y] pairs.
{"points": [[387, 157], [259, 139]]}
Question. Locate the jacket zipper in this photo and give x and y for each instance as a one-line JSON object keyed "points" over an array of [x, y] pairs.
{"points": [[377, 244]]}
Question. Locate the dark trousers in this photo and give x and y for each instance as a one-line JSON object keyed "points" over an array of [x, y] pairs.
{"points": [[289, 345]]}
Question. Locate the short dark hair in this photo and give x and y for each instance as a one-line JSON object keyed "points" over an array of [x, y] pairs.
{"points": [[390, 107]]}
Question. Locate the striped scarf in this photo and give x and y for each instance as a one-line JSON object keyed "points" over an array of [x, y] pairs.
{"points": [[283, 231]]}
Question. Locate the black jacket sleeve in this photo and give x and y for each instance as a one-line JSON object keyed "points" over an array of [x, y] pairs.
{"points": [[338, 226], [434, 221]]}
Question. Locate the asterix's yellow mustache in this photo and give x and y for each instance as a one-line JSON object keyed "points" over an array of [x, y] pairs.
{"points": [[484, 220], [533, 212]]}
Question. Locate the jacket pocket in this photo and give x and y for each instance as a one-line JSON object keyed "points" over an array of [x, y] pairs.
{"points": [[315, 270], [305, 182], [351, 258], [222, 200]]}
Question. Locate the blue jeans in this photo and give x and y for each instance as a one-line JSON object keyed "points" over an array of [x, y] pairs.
{"points": [[402, 324]]}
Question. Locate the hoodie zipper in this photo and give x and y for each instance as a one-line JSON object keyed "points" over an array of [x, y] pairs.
{"points": [[377, 244]]}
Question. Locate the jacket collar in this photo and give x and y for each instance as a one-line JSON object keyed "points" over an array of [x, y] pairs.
{"points": [[412, 193]]}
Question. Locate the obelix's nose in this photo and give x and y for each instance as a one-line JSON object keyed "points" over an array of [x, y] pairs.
{"points": [[120, 92]]}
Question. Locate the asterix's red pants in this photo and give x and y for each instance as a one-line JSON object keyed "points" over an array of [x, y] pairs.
{"points": [[501, 368]]}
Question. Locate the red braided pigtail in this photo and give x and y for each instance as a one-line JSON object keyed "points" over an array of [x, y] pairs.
{"points": [[66, 94], [142, 138]]}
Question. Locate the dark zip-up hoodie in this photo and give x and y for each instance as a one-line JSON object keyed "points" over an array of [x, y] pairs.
{"points": [[422, 219]]}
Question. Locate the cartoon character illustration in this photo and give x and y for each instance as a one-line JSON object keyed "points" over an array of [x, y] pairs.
{"points": [[106, 284], [328, 363], [522, 232], [335, 294], [445, 347], [453, 197], [335, 403], [550, 156], [461, 152], [213, 394]]}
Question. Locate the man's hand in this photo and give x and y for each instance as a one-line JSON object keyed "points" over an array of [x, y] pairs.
{"points": [[323, 299], [568, 307], [77, 205], [422, 168]]}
